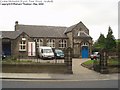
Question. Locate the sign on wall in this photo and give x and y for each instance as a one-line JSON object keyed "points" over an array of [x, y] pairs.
{"points": [[31, 49]]}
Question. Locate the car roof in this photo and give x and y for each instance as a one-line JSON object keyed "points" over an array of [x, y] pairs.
{"points": [[96, 52], [45, 47]]}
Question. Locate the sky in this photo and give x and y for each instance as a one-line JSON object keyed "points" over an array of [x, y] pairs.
{"points": [[97, 15]]}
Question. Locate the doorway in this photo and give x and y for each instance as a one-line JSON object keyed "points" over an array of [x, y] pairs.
{"points": [[85, 51], [6, 47]]}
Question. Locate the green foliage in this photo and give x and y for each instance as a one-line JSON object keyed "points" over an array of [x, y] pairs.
{"points": [[118, 45], [110, 40], [100, 43], [89, 62], [110, 62], [10, 59], [15, 61], [107, 43], [101, 40], [113, 61]]}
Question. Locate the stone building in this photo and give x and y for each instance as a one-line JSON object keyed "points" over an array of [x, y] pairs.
{"points": [[17, 43]]}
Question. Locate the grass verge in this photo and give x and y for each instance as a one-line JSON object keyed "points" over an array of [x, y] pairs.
{"points": [[113, 65]]}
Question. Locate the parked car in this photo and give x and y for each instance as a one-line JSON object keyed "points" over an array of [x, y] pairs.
{"points": [[95, 55], [59, 54], [45, 52]]}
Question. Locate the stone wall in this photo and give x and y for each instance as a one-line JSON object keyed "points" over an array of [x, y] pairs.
{"points": [[34, 68], [15, 46], [78, 48]]}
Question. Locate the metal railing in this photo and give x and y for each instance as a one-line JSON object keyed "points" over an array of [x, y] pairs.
{"points": [[26, 59], [106, 63]]}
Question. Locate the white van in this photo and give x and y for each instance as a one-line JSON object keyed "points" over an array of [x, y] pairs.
{"points": [[45, 52]]}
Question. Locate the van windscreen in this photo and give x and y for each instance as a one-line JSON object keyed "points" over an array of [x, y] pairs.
{"points": [[47, 50]]}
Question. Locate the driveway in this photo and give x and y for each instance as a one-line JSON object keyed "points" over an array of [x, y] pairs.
{"points": [[80, 72]]}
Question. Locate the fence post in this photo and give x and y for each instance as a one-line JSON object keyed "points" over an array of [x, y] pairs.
{"points": [[68, 60]]}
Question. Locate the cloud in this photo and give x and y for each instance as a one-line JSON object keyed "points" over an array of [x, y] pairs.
{"points": [[97, 15]]}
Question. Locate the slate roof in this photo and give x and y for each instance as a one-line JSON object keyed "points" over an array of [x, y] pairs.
{"points": [[43, 31], [11, 34], [69, 29]]}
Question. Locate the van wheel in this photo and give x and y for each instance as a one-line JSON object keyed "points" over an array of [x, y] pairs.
{"points": [[42, 57]]}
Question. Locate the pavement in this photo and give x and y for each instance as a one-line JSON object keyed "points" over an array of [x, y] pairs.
{"points": [[80, 73]]}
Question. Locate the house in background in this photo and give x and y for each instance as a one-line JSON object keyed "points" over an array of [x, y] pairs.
{"points": [[26, 38]]}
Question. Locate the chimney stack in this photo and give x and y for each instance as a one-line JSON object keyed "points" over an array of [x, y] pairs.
{"points": [[16, 26]]}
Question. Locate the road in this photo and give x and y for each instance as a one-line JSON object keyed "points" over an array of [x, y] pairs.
{"points": [[58, 84]]}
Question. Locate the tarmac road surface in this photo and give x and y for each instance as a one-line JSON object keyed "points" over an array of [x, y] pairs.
{"points": [[59, 84]]}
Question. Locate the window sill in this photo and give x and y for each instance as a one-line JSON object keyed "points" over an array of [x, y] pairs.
{"points": [[62, 47], [22, 50]]}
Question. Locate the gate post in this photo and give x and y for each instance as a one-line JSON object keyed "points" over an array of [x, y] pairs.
{"points": [[103, 62], [68, 60]]}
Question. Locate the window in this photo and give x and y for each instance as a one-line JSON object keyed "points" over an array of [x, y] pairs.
{"points": [[62, 43], [22, 46], [39, 42], [84, 44], [78, 34], [51, 43]]}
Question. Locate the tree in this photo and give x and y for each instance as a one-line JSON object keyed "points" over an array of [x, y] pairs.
{"points": [[110, 42], [100, 43], [118, 45]]}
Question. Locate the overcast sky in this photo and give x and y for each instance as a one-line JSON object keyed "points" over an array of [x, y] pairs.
{"points": [[97, 15]]}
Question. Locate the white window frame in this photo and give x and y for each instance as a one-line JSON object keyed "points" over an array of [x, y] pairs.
{"points": [[22, 45], [78, 34], [51, 43], [39, 42], [62, 43], [85, 44]]}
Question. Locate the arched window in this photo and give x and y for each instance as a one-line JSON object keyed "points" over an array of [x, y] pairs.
{"points": [[51, 43], [39, 42], [84, 44], [62, 43]]}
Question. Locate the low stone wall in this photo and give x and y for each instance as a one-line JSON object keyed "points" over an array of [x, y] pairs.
{"points": [[34, 68]]}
